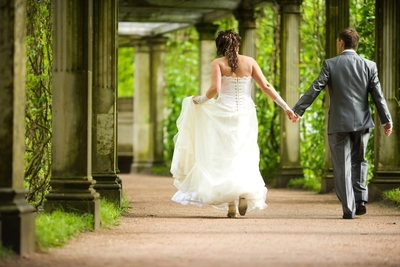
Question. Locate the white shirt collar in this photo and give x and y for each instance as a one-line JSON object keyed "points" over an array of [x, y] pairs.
{"points": [[349, 50]]}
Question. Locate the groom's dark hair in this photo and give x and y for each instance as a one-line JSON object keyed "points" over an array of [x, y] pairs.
{"points": [[350, 38]]}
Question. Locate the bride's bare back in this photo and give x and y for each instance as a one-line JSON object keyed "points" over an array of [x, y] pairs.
{"points": [[247, 66]]}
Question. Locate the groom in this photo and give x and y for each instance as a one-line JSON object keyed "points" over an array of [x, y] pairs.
{"points": [[350, 78]]}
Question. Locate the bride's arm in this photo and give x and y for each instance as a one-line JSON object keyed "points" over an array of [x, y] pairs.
{"points": [[270, 91], [260, 79], [214, 87]]}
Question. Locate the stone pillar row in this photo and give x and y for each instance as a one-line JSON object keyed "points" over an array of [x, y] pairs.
{"points": [[289, 166], [105, 93], [207, 53], [72, 184], [17, 220], [84, 107], [148, 103]]}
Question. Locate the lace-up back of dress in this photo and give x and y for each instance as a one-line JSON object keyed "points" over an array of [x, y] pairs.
{"points": [[235, 93]]}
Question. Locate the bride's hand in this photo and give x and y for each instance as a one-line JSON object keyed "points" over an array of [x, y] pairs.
{"points": [[292, 116]]}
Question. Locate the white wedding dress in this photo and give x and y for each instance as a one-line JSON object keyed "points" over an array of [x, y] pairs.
{"points": [[216, 155]]}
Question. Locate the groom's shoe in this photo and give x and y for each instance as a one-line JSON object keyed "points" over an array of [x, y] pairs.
{"points": [[360, 208], [346, 216]]}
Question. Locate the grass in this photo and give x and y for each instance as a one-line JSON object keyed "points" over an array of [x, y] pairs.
{"points": [[56, 228], [109, 214], [308, 184], [392, 195], [160, 170], [5, 253]]}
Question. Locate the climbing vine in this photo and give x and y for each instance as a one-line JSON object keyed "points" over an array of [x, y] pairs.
{"points": [[38, 100]]}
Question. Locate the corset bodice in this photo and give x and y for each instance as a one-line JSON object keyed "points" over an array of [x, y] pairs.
{"points": [[235, 93]]}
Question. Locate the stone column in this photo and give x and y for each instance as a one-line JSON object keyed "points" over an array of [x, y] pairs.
{"points": [[157, 93], [17, 218], [142, 125], [104, 129], [247, 31], [289, 167], [71, 181], [337, 18], [207, 53], [387, 54]]}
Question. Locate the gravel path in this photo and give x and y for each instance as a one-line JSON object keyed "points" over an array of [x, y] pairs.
{"points": [[297, 229]]}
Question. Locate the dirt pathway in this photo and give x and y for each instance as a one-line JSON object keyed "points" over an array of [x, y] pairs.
{"points": [[297, 229]]}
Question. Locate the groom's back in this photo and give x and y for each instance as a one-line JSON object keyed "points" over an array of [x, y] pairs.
{"points": [[350, 77]]}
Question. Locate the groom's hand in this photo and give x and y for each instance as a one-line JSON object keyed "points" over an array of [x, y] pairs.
{"points": [[388, 128], [290, 114], [296, 118]]}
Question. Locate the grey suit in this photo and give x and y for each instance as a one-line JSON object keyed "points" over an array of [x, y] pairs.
{"points": [[350, 78]]}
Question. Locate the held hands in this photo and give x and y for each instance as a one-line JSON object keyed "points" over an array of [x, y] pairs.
{"points": [[289, 112], [292, 116], [388, 128]]}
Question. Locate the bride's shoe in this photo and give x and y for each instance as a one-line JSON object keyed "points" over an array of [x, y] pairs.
{"points": [[242, 206], [232, 210]]}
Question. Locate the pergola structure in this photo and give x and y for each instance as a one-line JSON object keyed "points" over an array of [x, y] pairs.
{"points": [[85, 43]]}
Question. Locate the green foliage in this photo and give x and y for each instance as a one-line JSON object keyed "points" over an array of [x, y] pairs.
{"points": [[267, 44], [125, 71], [182, 79], [56, 228], [362, 18], [312, 124], [227, 23], [392, 195], [38, 104]]}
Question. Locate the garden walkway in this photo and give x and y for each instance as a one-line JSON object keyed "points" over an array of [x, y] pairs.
{"points": [[298, 228]]}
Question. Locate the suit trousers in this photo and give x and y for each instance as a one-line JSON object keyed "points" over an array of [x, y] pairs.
{"points": [[350, 169]]}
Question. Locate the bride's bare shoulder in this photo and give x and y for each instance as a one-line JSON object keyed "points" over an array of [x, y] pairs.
{"points": [[246, 58]]}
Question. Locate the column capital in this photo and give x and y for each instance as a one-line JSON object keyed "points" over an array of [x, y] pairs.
{"points": [[290, 6], [245, 17], [206, 31], [157, 43], [140, 44]]}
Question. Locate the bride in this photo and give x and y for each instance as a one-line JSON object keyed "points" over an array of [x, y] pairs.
{"points": [[216, 155]]}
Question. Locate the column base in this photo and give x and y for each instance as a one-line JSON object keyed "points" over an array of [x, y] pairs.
{"points": [[108, 186], [124, 163], [141, 167], [382, 181], [327, 183], [285, 175], [74, 195], [17, 221]]}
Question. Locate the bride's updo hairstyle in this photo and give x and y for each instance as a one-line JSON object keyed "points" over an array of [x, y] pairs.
{"points": [[228, 43]]}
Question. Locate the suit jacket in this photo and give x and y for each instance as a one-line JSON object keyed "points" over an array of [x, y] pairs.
{"points": [[350, 78]]}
